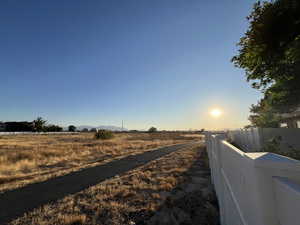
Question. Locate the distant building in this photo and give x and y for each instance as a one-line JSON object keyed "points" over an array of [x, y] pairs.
{"points": [[18, 126], [291, 120], [2, 127]]}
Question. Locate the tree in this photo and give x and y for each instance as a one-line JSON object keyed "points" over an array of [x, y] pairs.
{"points": [[263, 115], [39, 124], [72, 128], [152, 130], [270, 54]]}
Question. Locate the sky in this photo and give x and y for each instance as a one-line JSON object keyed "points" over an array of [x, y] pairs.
{"points": [[162, 63]]}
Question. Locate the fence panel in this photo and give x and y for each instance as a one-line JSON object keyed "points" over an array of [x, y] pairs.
{"points": [[253, 187], [254, 139]]}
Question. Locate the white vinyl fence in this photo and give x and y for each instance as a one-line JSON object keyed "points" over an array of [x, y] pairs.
{"points": [[256, 188], [254, 139]]}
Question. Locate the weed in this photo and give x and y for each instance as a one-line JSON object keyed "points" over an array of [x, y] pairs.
{"points": [[104, 134]]}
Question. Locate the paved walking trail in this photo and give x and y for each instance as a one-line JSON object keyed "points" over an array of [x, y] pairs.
{"points": [[16, 202]]}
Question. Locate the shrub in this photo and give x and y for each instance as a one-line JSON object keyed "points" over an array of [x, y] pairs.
{"points": [[104, 134]]}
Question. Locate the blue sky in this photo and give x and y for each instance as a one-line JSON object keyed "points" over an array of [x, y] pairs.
{"points": [[163, 63]]}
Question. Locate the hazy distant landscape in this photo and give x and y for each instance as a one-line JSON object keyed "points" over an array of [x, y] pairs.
{"points": [[112, 128]]}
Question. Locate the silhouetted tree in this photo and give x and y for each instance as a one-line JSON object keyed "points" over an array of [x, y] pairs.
{"points": [[39, 124], [72, 128], [152, 130]]}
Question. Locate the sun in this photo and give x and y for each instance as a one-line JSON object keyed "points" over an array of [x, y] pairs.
{"points": [[216, 113]]}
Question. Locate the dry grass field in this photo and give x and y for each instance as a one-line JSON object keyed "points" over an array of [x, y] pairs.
{"points": [[29, 158], [174, 189]]}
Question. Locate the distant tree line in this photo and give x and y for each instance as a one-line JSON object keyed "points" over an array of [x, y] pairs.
{"points": [[42, 125]]}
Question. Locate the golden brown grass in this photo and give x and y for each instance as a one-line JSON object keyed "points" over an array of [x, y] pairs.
{"points": [[29, 158], [126, 199]]}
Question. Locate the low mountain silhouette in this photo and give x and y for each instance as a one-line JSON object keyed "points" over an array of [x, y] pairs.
{"points": [[112, 128]]}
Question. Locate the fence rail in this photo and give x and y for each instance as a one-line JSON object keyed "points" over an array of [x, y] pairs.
{"points": [[255, 188]]}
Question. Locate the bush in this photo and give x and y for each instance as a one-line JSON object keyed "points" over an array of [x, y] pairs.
{"points": [[104, 134]]}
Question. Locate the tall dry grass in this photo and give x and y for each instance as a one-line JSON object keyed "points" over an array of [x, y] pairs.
{"points": [[131, 198], [27, 157]]}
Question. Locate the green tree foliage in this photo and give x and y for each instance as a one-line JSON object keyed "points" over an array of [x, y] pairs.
{"points": [[71, 128], [270, 54], [263, 115], [104, 134], [152, 130], [39, 124]]}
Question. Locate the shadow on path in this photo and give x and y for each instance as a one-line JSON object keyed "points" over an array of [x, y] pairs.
{"points": [[16, 202]]}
